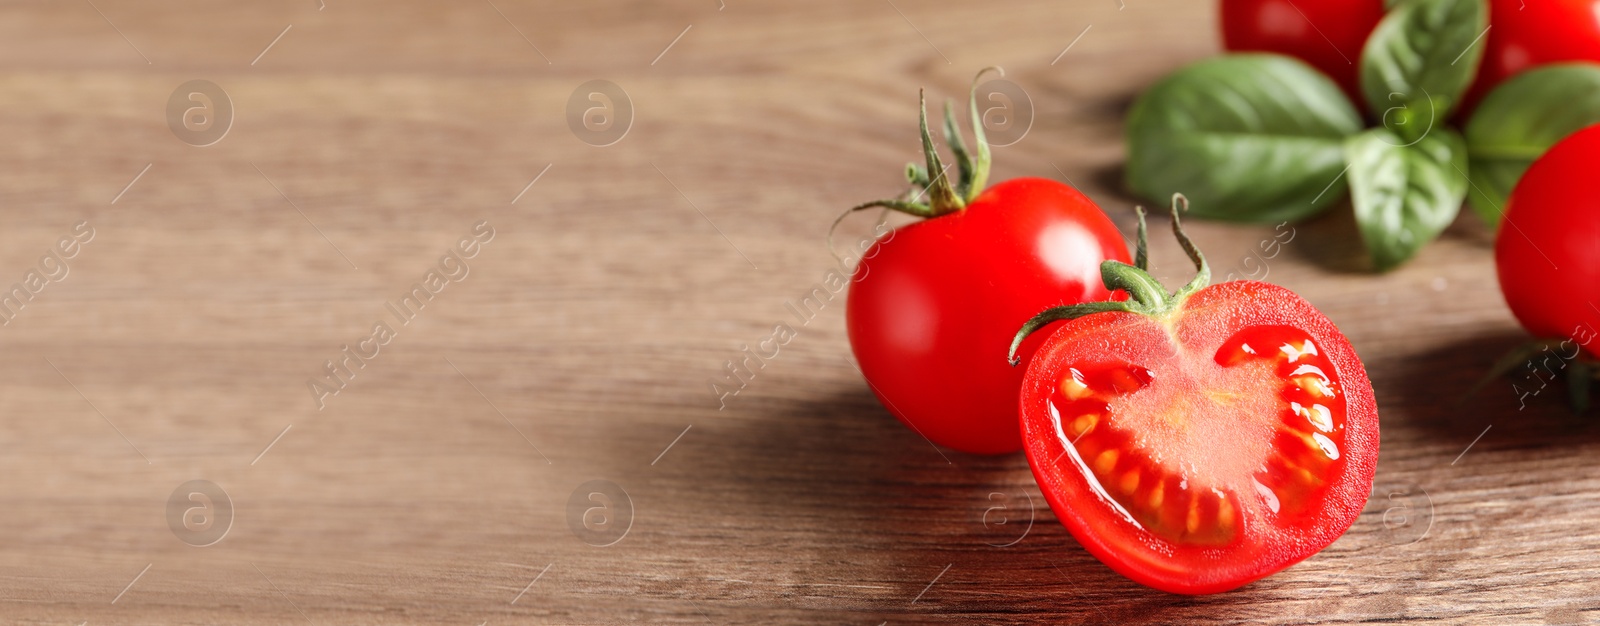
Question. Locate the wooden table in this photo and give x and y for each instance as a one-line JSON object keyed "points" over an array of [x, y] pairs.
{"points": [[368, 138]]}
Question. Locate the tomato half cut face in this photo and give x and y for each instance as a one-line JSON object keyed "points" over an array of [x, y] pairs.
{"points": [[1203, 449]]}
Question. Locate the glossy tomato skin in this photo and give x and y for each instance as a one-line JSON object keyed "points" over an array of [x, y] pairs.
{"points": [[1264, 541], [1528, 33], [933, 305], [1327, 34], [1549, 260]]}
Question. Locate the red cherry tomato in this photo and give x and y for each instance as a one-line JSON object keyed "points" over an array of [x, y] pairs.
{"points": [[1529, 33], [1206, 442], [1328, 34], [934, 303], [1548, 253]]}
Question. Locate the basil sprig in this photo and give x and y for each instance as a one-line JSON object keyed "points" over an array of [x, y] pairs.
{"points": [[1265, 138]]}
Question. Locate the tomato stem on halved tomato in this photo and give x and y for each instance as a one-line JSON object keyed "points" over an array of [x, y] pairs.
{"points": [[1146, 295]]}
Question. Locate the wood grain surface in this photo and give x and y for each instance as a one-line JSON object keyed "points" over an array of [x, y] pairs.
{"points": [[368, 138]]}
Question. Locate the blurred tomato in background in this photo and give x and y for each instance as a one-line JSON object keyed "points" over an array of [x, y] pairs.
{"points": [[1328, 34], [1524, 34]]}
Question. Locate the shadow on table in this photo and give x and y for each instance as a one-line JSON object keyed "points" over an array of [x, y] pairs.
{"points": [[1332, 239], [855, 512], [877, 520], [1527, 408]]}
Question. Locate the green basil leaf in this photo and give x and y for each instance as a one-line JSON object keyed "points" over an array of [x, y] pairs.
{"points": [[1419, 60], [1405, 194], [1521, 119], [1247, 137]]}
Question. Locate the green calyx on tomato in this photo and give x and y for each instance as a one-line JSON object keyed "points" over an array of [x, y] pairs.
{"points": [[1197, 441], [1265, 138], [1146, 296], [972, 170]]}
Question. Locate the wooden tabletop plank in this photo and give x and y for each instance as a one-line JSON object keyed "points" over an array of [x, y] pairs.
{"points": [[438, 485]]}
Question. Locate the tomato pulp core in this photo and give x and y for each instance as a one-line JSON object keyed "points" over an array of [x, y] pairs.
{"points": [[1194, 450]]}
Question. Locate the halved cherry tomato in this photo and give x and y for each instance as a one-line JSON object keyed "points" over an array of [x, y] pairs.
{"points": [[1198, 441]]}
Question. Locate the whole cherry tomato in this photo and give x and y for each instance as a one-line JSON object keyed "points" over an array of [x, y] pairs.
{"points": [[1548, 252], [1328, 34], [1197, 441], [1528, 33], [933, 303]]}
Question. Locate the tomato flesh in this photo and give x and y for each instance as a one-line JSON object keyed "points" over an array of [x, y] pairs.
{"points": [[1139, 441], [1199, 452]]}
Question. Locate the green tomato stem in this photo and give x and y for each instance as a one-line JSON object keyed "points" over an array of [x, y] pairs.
{"points": [[972, 172], [1146, 295]]}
